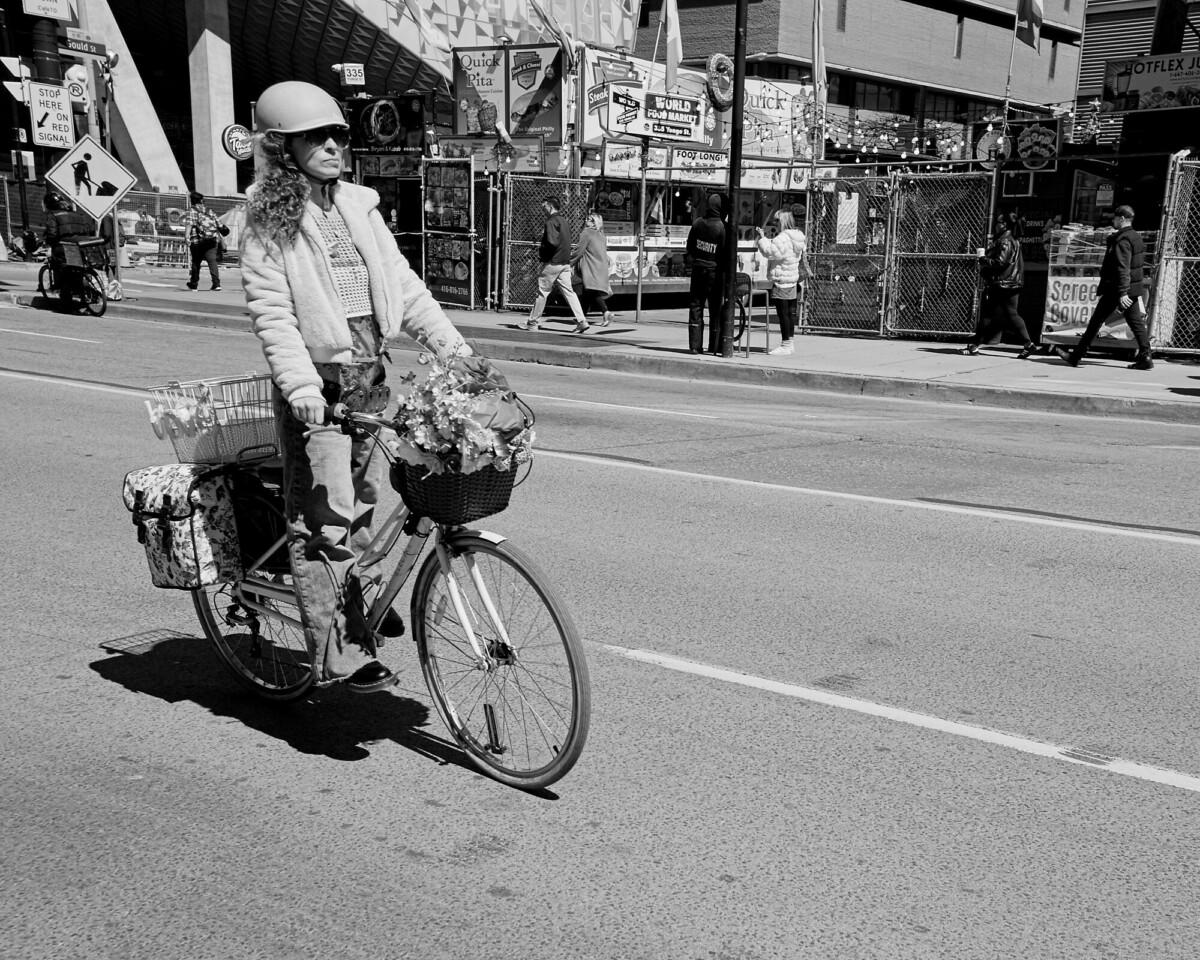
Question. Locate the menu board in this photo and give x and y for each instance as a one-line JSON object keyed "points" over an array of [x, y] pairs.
{"points": [[448, 269], [448, 195]]}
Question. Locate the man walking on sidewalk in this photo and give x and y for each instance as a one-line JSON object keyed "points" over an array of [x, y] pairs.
{"points": [[1122, 284], [555, 254]]}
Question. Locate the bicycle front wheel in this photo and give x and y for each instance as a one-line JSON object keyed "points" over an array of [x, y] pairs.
{"points": [[265, 652], [45, 280], [522, 717], [93, 293], [739, 322]]}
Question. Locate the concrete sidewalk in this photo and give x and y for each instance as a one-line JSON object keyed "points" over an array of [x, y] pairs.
{"points": [[897, 368]]}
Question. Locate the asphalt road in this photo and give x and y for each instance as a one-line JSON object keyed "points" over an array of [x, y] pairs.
{"points": [[871, 680]]}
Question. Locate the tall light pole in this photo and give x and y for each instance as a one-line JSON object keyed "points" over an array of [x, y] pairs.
{"points": [[106, 75], [735, 173]]}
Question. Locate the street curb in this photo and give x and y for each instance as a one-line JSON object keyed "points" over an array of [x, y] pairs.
{"points": [[892, 388], [719, 370]]}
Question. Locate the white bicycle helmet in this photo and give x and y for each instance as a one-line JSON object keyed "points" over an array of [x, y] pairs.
{"points": [[295, 106]]}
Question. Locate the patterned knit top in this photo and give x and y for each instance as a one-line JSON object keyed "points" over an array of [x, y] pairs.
{"points": [[349, 271]]}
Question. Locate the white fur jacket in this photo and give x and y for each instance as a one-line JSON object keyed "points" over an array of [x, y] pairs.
{"points": [[783, 253], [295, 309]]}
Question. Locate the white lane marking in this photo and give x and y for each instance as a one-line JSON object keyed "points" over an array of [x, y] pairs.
{"points": [[619, 406], [1125, 768], [983, 512], [52, 336], [79, 384], [147, 283]]}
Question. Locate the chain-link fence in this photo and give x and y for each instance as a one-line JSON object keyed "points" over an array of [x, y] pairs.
{"points": [[939, 222], [846, 228], [1175, 307], [524, 221], [153, 224]]}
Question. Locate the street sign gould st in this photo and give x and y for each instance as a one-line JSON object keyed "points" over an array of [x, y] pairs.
{"points": [[80, 44], [50, 113], [91, 177]]}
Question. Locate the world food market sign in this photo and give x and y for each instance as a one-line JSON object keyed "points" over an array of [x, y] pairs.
{"points": [[660, 116], [1151, 83]]}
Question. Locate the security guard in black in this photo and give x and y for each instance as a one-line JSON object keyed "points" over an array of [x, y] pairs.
{"points": [[706, 246]]}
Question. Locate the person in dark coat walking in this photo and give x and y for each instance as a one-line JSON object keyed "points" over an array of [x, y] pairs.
{"points": [[1121, 288], [706, 247], [1004, 268], [555, 255]]}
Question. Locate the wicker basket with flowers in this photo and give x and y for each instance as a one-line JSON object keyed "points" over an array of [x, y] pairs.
{"points": [[461, 432]]}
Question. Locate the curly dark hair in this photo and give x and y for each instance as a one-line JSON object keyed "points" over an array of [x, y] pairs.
{"points": [[277, 202]]}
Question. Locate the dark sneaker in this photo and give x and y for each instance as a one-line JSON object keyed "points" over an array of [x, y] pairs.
{"points": [[1066, 357], [374, 676], [1027, 351], [192, 286], [215, 286], [970, 350], [1142, 363]]}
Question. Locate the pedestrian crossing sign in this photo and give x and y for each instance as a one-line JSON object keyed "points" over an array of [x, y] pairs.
{"points": [[90, 177]]}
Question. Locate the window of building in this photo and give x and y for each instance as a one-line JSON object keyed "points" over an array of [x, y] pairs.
{"points": [[1053, 58], [841, 15], [958, 37], [877, 96]]}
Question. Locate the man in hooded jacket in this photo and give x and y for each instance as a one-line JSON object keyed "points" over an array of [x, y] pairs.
{"points": [[706, 246]]}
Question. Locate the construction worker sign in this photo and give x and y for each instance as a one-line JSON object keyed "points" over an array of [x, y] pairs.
{"points": [[90, 178]]}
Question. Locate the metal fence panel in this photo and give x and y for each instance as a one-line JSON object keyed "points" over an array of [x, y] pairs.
{"points": [[846, 227], [523, 224], [940, 221], [1175, 306]]}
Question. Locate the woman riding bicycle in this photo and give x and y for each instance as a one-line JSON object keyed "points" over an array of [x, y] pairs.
{"points": [[327, 289]]}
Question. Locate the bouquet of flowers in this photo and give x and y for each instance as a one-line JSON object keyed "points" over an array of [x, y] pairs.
{"points": [[461, 417]]}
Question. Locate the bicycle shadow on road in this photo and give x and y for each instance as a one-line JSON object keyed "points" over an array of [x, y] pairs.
{"points": [[332, 722]]}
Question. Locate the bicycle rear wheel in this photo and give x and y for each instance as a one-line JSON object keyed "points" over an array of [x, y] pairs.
{"points": [[266, 653], [739, 321], [524, 719], [93, 293]]}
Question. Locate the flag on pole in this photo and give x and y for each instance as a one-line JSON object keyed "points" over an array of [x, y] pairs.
{"points": [[431, 38], [670, 20], [1029, 23], [555, 28], [820, 82]]}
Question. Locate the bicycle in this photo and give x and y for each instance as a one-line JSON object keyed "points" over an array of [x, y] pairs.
{"points": [[498, 648], [742, 285], [82, 275]]}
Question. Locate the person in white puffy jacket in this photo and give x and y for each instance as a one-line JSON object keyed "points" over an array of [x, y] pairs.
{"points": [[784, 251], [327, 288]]}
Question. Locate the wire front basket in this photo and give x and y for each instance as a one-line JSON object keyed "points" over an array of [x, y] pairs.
{"points": [[216, 421]]}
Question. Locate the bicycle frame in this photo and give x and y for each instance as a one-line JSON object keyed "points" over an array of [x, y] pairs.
{"points": [[256, 585]]}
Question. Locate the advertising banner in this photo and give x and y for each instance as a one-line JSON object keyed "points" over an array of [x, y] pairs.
{"points": [[1163, 82], [521, 87], [1034, 142], [765, 174], [535, 92], [480, 89], [491, 155], [700, 166], [624, 161], [657, 115], [387, 125]]}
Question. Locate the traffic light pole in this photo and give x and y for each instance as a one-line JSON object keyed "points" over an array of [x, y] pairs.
{"points": [[735, 175]]}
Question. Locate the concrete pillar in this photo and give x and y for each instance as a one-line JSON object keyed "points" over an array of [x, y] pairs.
{"points": [[210, 67], [137, 136]]}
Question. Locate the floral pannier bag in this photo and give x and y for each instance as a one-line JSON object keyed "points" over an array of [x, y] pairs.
{"points": [[184, 517]]}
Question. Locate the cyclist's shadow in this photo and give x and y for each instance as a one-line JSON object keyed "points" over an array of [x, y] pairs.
{"points": [[330, 722]]}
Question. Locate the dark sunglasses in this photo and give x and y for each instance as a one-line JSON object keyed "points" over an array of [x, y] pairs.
{"points": [[319, 137]]}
